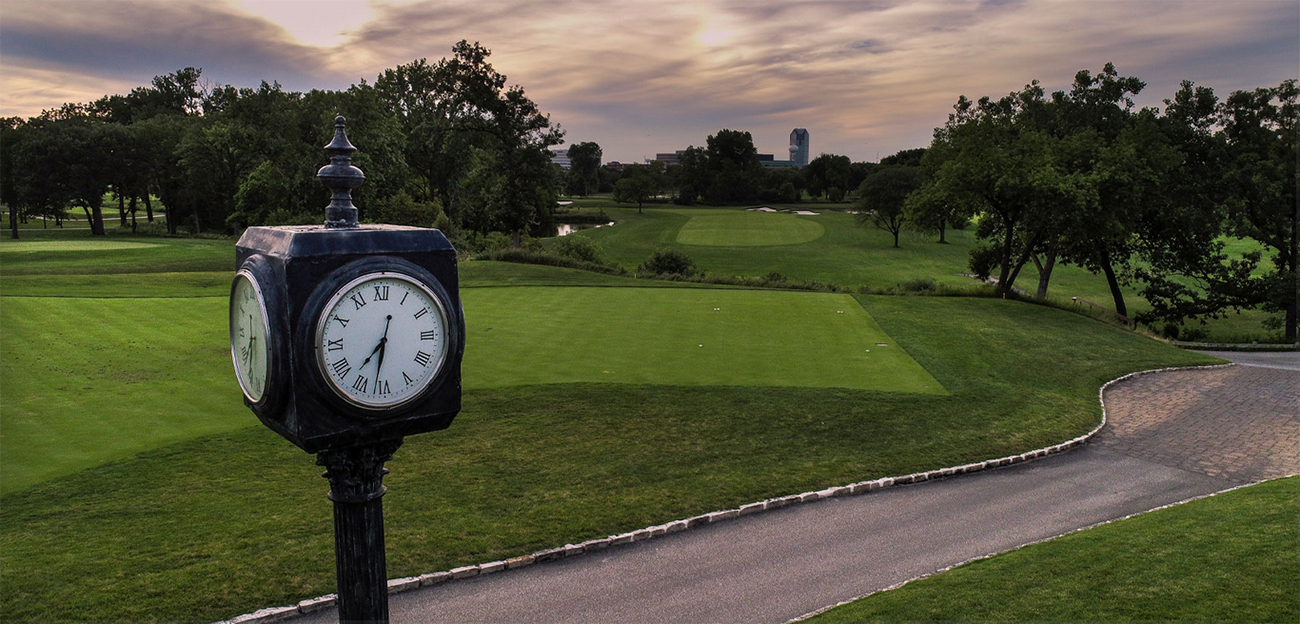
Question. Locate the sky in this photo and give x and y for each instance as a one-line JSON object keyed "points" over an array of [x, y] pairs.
{"points": [[866, 79]]}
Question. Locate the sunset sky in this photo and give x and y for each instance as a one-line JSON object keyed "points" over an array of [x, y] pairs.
{"points": [[865, 78]]}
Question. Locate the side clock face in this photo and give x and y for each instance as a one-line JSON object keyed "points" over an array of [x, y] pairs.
{"points": [[249, 346], [381, 340]]}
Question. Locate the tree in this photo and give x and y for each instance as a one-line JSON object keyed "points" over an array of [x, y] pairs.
{"points": [[826, 171], [995, 163], [883, 194], [460, 103], [584, 162], [639, 183], [734, 174]]}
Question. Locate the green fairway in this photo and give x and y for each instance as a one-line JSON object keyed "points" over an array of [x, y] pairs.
{"points": [[730, 228], [100, 379], [692, 337], [1228, 558], [71, 251], [24, 246]]}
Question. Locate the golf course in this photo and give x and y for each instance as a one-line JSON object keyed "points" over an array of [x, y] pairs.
{"points": [[135, 485]]}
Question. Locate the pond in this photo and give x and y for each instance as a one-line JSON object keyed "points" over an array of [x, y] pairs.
{"points": [[562, 229]]}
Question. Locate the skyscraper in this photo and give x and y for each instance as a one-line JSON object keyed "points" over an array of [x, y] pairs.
{"points": [[799, 147]]}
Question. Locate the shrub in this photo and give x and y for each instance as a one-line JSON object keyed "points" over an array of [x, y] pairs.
{"points": [[400, 209], [918, 285], [579, 248], [525, 256], [835, 194], [669, 262]]}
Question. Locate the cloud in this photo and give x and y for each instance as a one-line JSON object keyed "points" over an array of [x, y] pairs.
{"points": [[136, 40], [863, 77]]}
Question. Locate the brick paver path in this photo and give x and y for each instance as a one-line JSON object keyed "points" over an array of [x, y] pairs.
{"points": [[1240, 423]]}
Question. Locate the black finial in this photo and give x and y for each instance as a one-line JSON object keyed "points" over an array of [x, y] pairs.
{"points": [[340, 177]]}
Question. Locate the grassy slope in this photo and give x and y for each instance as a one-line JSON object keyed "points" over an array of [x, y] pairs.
{"points": [[225, 524], [852, 255], [1229, 558]]}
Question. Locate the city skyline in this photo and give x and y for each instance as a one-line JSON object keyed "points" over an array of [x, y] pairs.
{"points": [[868, 78]]}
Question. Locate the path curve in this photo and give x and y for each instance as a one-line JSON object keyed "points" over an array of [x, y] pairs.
{"points": [[1170, 436]]}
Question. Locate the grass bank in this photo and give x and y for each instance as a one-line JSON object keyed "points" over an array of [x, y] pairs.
{"points": [[1228, 558]]}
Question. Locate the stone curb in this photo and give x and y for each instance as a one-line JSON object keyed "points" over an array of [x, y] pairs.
{"points": [[277, 614]]}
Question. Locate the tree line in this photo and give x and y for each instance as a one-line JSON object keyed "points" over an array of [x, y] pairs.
{"points": [[444, 144], [1145, 196], [726, 171]]}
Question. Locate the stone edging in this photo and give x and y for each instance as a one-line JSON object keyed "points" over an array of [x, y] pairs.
{"points": [[278, 614]]}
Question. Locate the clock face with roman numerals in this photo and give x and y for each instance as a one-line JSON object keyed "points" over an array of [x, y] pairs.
{"points": [[381, 340], [249, 336]]}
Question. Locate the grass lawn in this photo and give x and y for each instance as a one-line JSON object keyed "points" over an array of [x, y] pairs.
{"points": [[1228, 558], [226, 523]]}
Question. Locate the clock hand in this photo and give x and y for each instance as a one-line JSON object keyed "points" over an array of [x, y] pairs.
{"points": [[378, 348], [383, 342]]}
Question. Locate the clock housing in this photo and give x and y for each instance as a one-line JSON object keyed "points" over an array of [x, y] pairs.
{"points": [[313, 264]]}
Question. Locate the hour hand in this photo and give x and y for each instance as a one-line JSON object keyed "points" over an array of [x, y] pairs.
{"points": [[378, 349]]}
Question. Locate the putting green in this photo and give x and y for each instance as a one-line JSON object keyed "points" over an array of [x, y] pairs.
{"points": [[685, 337], [83, 245], [744, 228]]}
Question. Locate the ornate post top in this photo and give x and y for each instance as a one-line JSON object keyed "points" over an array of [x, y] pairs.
{"points": [[340, 177]]}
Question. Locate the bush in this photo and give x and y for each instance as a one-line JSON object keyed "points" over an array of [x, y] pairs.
{"points": [[918, 285], [400, 209], [835, 194], [669, 262], [525, 256], [580, 248]]}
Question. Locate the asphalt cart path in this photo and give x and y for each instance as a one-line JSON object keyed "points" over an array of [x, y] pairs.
{"points": [[1170, 436]]}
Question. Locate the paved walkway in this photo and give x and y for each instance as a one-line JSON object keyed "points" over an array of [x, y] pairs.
{"points": [[1171, 436]]}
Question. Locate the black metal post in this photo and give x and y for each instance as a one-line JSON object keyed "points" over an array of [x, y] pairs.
{"points": [[356, 486]]}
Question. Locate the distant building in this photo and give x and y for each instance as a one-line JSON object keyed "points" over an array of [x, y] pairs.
{"points": [[561, 158], [667, 158], [614, 165], [766, 158], [799, 147]]}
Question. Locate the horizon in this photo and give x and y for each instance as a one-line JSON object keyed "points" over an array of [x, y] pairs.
{"points": [[867, 79]]}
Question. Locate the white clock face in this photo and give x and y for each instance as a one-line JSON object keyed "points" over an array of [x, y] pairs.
{"points": [[248, 332], [381, 340]]}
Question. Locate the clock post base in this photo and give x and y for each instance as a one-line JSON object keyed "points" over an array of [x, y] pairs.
{"points": [[356, 486]]}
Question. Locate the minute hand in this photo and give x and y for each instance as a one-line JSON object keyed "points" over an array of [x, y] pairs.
{"points": [[383, 342]]}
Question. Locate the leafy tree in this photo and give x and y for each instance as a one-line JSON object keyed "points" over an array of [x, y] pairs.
{"points": [[994, 163], [639, 183], [584, 163], [460, 103], [883, 194], [734, 174], [1237, 169], [824, 172]]}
